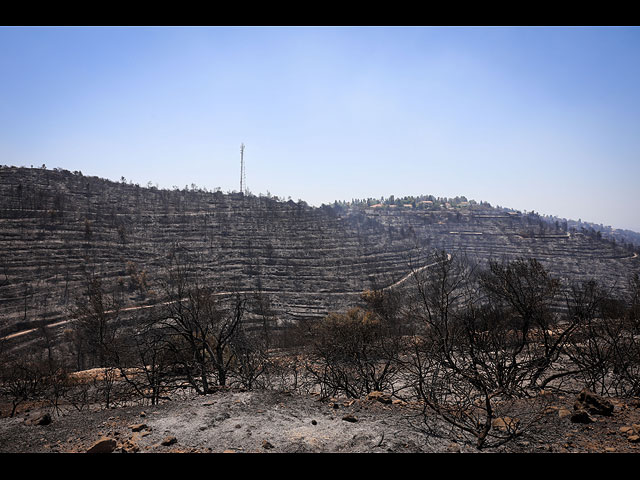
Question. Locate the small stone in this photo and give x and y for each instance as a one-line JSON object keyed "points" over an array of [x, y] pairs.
{"points": [[170, 440], [138, 427], [634, 438], [563, 412], [453, 448], [350, 418], [130, 446], [266, 445], [313, 422], [610, 449]]}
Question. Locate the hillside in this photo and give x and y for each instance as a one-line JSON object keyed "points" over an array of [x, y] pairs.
{"points": [[59, 227]]}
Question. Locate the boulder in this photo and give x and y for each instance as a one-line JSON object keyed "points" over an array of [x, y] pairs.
{"points": [[138, 427], [170, 440], [104, 445], [592, 403]]}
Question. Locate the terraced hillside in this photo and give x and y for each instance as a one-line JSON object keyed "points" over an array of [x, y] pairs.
{"points": [[58, 227], [485, 234]]}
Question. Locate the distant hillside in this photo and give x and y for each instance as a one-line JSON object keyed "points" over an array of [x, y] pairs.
{"points": [[57, 228], [625, 238]]}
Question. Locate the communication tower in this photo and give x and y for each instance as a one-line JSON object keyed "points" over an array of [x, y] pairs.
{"points": [[243, 178]]}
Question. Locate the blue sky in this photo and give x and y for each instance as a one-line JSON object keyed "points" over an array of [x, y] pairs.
{"points": [[544, 119]]}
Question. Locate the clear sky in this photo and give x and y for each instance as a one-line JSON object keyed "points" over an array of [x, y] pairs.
{"points": [[544, 119]]}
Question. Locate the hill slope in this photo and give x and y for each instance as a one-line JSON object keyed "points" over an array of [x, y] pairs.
{"points": [[58, 227]]}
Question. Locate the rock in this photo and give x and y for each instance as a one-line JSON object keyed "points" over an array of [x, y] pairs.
{"points": [[380, 397], [593, 403], [138, 427], [626, 429], [266, 445], [505, 423], [170, 440], [42, 420], [581, 416], [563, 412], [130, 446], [104, 445], [610, 449], [634, 438], [453, 448], [313, 422], [349, 418]]}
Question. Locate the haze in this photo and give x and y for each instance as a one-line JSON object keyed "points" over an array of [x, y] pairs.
{"points": [[542, 119]]}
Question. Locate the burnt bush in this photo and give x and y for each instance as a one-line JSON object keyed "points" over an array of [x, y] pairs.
{"points": [[353, 353]]}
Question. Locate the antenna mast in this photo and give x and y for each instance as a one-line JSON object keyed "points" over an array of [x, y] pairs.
{"points": [[243, 178]]}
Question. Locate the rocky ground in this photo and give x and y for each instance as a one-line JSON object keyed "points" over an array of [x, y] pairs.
{"points": [[234, 421]]}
